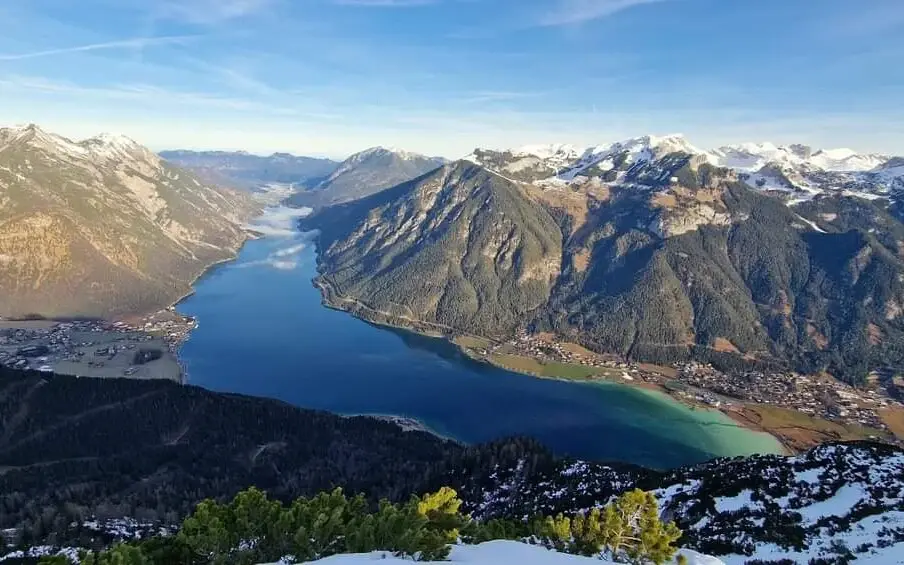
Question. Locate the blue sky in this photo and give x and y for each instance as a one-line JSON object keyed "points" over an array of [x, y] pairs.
{"points": [[330, 77]]}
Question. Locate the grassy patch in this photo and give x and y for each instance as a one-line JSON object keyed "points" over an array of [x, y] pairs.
{"points": [[517, 363], [552, 369], [670, 372], [802, 431], [471, 342]]}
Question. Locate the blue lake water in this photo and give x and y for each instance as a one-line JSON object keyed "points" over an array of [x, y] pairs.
{"points": [[263, 331]]}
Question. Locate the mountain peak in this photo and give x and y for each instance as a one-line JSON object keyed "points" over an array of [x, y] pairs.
{"points": [[114, 146], [33, 137], [547, 151], [112, 139], [381, 150]]}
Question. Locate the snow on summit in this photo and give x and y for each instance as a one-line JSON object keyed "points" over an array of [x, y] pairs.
{"points": [[798, 170]]}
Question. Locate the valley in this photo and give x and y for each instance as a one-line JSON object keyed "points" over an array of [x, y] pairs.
{"points": [[263, 331], [508, 282], [648, 253]]}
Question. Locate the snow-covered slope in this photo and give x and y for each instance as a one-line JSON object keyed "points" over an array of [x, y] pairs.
{"points": [[798, 169], [824, 503], [496, 553], [365, 173]]}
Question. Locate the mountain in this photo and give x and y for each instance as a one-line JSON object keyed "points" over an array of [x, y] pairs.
{"points": [[104, 227], [798, 170], [246, 171], [150, 450], [366, 173], [642, 248], [459, 247]]}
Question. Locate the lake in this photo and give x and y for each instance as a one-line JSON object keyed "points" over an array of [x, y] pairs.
{"points": [[263, 331]]}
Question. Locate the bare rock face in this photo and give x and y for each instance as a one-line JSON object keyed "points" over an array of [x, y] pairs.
{"points": [[103, 227]]}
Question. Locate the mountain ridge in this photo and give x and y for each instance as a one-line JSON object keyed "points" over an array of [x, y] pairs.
{"points": [[102, 227], [366, 173], [797, 170], [249, 171], [658, 256], [104, 459]]}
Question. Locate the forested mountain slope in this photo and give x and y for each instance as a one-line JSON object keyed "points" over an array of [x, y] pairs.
{"points": [[103, 227], [150, 451], [664, 257], [459, 247]]}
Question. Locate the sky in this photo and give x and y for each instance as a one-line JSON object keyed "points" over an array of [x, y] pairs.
{"points": [[441, 77]]}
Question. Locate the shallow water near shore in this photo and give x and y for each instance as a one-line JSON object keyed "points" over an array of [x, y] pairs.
{"points": [[263, 331]]}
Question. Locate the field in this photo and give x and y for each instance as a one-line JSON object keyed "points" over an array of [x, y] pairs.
{"points": [[797, 430], [471, 342], [550, 369], [894, 419]]}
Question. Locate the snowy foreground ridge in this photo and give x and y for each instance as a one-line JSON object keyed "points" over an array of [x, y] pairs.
{"points": [[496, 553]]}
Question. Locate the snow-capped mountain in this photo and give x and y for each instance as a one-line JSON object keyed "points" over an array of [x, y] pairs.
{"points": [[788, 168], [104, 226], [754, 156], [570, 163], [366, 173]]}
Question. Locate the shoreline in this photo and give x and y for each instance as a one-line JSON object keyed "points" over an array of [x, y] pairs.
{"points": [[407, 424], [658, 388], [792, 438], [327, 292]]}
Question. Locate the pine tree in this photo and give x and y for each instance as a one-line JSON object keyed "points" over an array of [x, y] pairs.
{"points": [[121, 554]]}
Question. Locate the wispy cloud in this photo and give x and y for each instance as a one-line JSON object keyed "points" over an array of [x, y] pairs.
{"points": [[133, 92], [209, 12], [569, 12], [135, 43]]}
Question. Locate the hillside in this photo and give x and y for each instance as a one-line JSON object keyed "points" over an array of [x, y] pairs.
{"points": [[243, 170], [664, 257], [103, 227], [148, 451], [189, 443], [459, 247], [364, 174]]}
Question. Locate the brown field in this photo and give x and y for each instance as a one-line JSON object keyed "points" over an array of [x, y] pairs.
{"points": [[670, 372], [577, 349], [517, 363], [796, 430], [725, 346], [894, 419], [471, 341], [552, 369]]}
